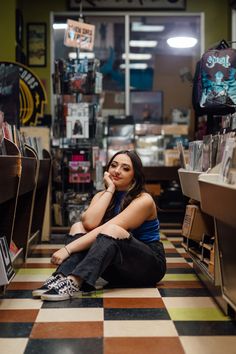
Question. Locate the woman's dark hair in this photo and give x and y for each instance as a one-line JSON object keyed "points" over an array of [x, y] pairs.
{"points": [[137, 186]]}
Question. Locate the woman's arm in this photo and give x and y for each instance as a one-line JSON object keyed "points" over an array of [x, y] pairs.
{"points": [[93, 216], [141, 209]]}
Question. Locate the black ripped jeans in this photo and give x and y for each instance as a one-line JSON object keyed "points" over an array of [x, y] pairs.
{"points": [[122, 262]]}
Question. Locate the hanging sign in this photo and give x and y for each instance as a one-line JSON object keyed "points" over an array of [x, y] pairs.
{"points": [[79, 35]]}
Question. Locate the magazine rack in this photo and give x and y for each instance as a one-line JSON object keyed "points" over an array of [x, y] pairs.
{"points": [[219, 200]]}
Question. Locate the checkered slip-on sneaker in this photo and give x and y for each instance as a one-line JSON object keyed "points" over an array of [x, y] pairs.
{"points": [[52, 281], [64, 290]]}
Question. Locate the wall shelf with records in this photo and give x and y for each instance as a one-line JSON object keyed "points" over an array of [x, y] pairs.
{"points": [[23, 186], [212, 193], [199, 237]]}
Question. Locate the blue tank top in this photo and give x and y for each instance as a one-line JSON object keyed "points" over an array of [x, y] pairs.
{"points": [[149, 231]]}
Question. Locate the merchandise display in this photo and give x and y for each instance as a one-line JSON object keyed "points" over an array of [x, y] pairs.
{"points": [[77, 85]]}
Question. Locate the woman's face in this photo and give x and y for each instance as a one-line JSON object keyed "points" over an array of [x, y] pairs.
{"points": [[121, 172]]}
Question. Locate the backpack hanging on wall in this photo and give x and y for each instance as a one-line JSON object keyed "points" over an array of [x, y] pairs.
{"points": [[214, 83]]}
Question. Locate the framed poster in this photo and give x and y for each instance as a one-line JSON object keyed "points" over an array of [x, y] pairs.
{"points": [[36, 44], [147, 106]]}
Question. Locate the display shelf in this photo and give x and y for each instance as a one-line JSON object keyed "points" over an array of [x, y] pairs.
{"points": [[189, 183], [219, 200]]}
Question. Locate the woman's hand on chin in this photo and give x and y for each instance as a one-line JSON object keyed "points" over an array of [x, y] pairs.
{"points": [[109, 184]]}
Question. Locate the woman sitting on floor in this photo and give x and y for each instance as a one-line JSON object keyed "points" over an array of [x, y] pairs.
{"points": [[117, 238]]}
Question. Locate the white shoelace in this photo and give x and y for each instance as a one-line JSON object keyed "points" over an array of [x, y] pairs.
{"points": [[53, 279], [66, 286]]}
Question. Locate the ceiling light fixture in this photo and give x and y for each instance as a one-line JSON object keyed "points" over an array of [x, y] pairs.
{"points": [[182, 42], [139, 27], [59, 26], [135, 66], [143, 44], [137, 56]]}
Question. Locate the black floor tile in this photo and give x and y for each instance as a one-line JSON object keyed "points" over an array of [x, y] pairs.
{"points": [[206, 328], [74, 303], [180, 271], [176, 292], [65, 346], [173, 255], [136, 314], [15, 329], [17, 294]]}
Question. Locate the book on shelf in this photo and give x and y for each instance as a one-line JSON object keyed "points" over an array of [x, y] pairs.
{"points": [[196, 223], [6, 269], [232, 168], [13, 249], [227, 159]]}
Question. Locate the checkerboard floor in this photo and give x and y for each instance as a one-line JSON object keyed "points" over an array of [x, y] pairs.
{"points": [[177, 317]]}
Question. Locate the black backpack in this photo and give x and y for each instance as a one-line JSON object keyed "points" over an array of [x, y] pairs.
{"points": [[214, 83]]}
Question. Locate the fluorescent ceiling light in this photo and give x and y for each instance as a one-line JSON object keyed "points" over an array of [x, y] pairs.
{"points": [[82, 55], [134, 66], [137, 56], [59, 26], [143, 44], [139, 27], [182, 42]]}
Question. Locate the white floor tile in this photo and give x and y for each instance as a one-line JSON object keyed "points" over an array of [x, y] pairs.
{"points": [[13, 346], [209, 344], [161, 328], [20, 304], [70, 315], [140, 292], [187, 302]]}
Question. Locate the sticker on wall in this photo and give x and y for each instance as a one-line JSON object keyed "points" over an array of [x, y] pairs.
{"points": [[32, 95]]}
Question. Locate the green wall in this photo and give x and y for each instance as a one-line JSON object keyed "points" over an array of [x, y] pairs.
{"points": [[217, 19], [7, 30], [217, 25]]}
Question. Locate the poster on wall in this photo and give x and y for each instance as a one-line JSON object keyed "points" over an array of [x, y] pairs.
{"points": [[36, 44], [9, 92], [30, 96], [79, 35]]}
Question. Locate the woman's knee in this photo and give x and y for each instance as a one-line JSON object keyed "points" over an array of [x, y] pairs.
{"points": [[77, 228], [115, 231]]}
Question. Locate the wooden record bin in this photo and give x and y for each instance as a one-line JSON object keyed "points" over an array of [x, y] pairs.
{"points": [[24, 184], [25, 199], [9, 186], [41, 190]]}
